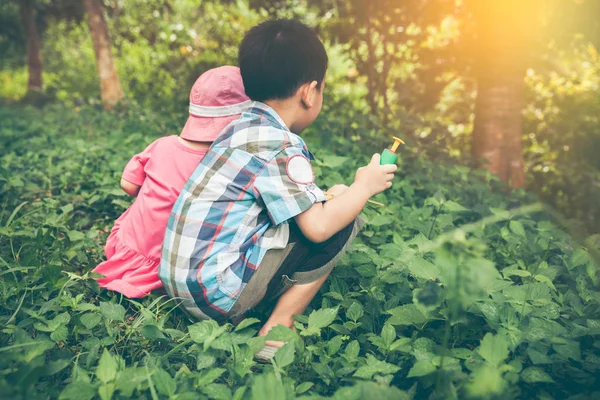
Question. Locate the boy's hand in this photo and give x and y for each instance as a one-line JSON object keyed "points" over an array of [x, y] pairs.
{"points": [[336, 190], [375, 178]]}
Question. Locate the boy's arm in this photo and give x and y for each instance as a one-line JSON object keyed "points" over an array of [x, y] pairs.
{"points": [[323, 220]]}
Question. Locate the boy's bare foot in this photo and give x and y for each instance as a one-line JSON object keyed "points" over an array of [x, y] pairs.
{"points": [[292, 302]]}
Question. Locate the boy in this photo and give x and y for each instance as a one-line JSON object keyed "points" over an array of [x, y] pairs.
{"points": [[251, 224]]}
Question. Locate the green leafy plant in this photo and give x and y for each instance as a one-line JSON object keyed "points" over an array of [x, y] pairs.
{"points": [[451, 290]]}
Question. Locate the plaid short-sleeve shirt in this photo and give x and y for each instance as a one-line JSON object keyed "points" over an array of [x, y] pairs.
{"points": [[234, 208]]}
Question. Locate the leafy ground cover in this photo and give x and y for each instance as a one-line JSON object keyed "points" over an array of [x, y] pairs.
{"points": [[454, 289]]}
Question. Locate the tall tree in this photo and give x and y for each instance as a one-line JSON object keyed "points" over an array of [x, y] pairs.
{"points": [[110, 85], [34, 57], [503, 43]]}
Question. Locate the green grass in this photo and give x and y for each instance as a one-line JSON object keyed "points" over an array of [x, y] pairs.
{"points": [[455, 289]]}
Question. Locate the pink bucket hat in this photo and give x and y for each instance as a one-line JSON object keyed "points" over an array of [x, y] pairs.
{"points": [[217, 98]]}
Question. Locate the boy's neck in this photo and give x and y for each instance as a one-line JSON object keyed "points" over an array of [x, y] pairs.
{"points": [[287, 109]]}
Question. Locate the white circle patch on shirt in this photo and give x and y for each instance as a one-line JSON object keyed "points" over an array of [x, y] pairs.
{"points": [[299, 170]]}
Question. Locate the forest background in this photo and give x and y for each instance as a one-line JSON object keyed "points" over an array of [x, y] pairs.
{"points": [[511, 84]]}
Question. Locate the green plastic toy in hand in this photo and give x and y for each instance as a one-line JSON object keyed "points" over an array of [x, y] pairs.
{"points": [[389, 156]]}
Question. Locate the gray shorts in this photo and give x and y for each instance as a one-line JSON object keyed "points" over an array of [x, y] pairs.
{"points": [[300, 262]]}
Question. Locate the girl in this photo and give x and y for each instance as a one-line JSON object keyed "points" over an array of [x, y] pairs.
{"points": [[157, 175]]}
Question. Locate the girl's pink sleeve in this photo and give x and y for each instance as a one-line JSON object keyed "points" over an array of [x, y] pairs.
{"points": [[134, 171]]}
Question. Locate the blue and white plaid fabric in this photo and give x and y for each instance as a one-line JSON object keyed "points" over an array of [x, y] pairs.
{"points": [[234, 208]]}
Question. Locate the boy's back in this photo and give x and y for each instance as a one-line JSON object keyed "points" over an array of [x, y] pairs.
{"points": [[232, 210]]}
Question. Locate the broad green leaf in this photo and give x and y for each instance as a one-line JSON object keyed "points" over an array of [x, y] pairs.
{"points": [[129, 379], [334, 345], [33, 349], [493, 349], [75, 236], [514, 271], [402, 345], [322, 318], [486, 382], [106, 391], [268, 387], [204, 360], [67, 209], [246, 323], [539, 328], [151, 332], [284, 356], [112, 311], [355, 311], [407, 314], [452, 206], [579, 257], [61, 333], [78, 390], [304, 387], [501, 214], [40, 326], [206, 332], [282, 333], [223, 340], [365, 390], [535, 375], [352, 350], [544, 279], [106, 370], [423, 269], [462, 353], [164, 383], [217, 391], [421, 242], [380, 220], [421, 368], [388, 334], [257, 343], [200, 331], [174, 333], [517, 228], [209, 376], [568, 351], [375, 366], [239, 393], [61, 319], [90, 320], [423, 345], [52, 367], [87, 307], [538, 357]]}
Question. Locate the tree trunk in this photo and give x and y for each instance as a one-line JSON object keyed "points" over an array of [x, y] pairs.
{"points": [[370, 64], [503, 38], [34, 57], [498, 122], [110, 86]]}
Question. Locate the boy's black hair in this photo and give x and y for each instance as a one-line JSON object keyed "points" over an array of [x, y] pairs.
{"points": [[277, 57]]}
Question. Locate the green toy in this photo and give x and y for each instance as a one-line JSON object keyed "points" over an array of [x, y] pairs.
{"points": [[389, 156]]}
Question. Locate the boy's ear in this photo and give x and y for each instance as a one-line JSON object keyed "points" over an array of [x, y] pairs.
{"points": [[308, 93]]}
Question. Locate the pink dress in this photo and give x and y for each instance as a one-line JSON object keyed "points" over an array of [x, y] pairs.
{"points": [[134, 245]]}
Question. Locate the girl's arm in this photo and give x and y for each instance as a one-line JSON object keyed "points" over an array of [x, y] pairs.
{"points": [[134, 173], [130, 188]]}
